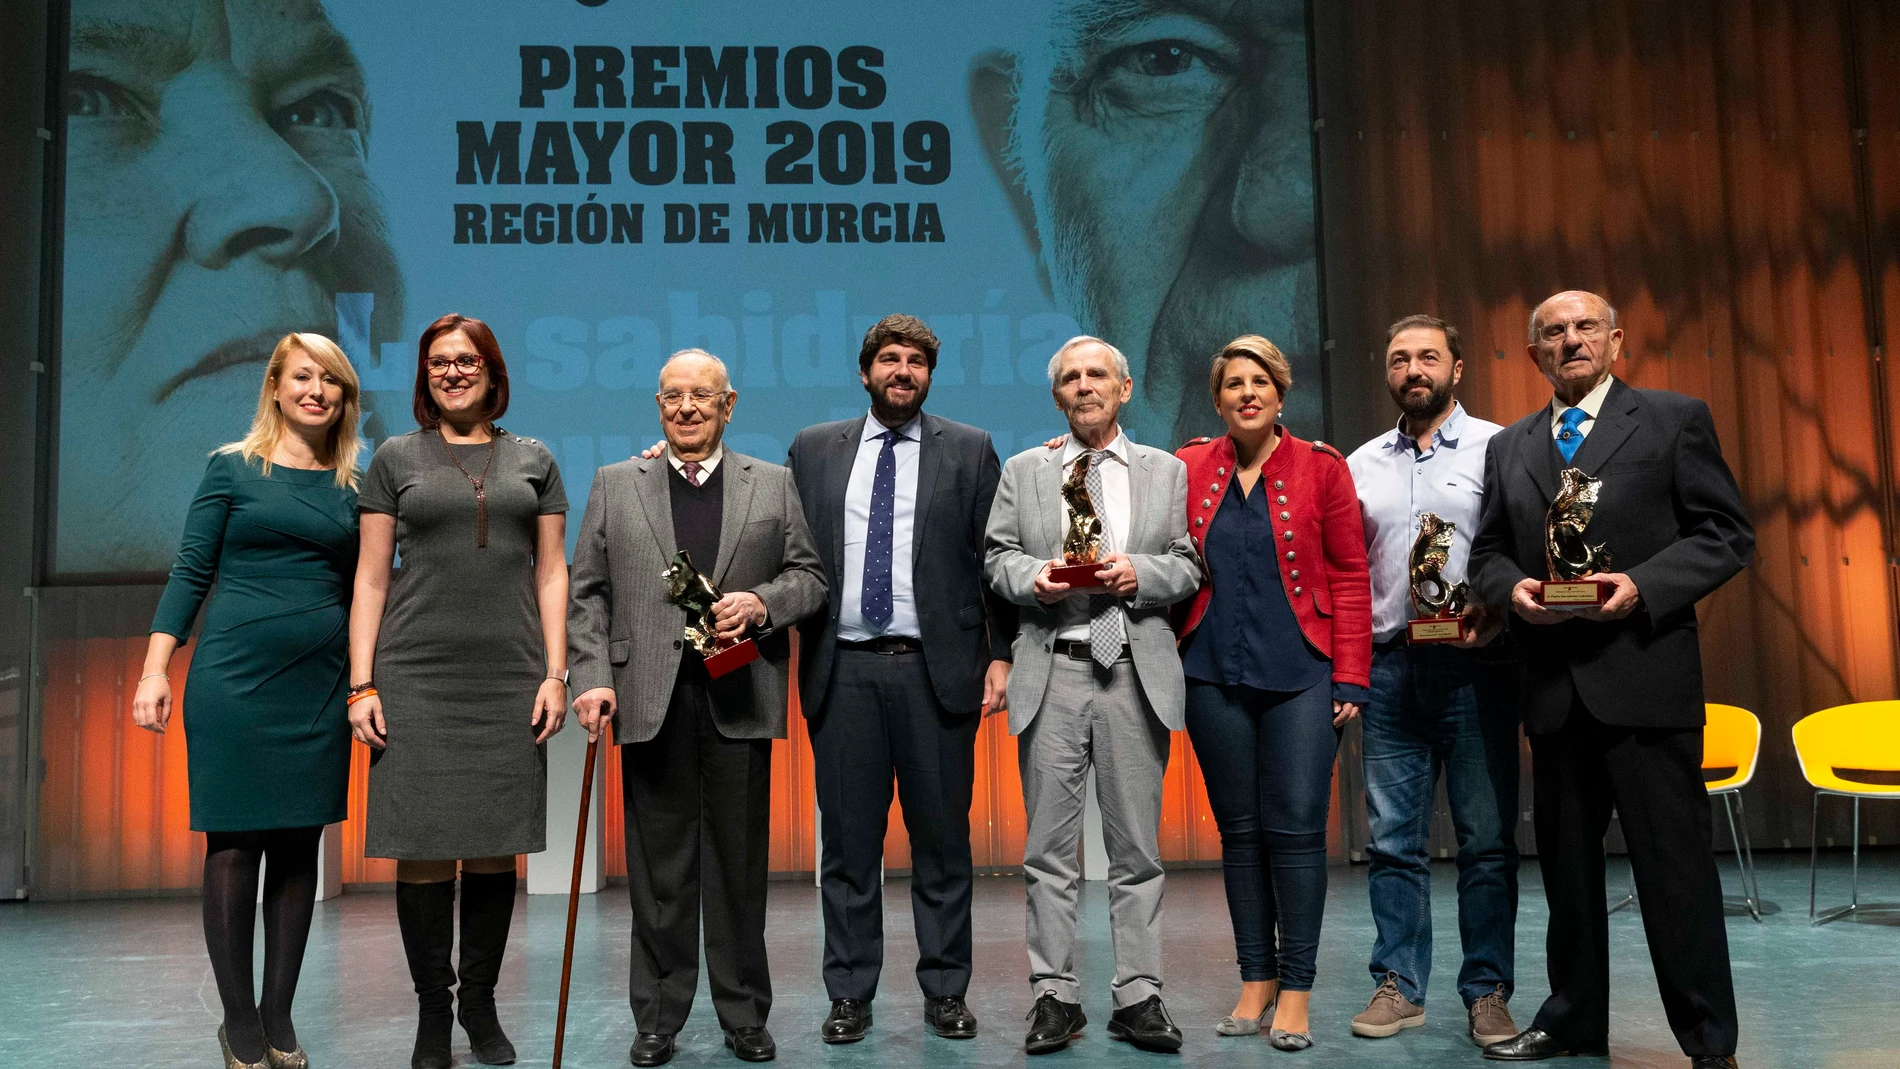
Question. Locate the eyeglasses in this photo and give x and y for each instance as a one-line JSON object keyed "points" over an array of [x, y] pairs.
{"points": [[1588, 328], [467, 364], [674, 398]]}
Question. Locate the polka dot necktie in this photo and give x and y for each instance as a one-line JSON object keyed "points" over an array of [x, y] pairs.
{"points": [[1108, 632], [875, 599], [690, 469], [1570, 434]]}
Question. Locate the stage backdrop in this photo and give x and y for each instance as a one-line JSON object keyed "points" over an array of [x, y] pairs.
{"points": [[1728, 172], [605, 182]]}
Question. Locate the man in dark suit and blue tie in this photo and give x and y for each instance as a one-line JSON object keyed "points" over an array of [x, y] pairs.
{"points": [[896, 676], [1612, 694]]}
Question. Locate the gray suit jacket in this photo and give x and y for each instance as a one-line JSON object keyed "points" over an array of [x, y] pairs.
{"points": [[960, 620], [623, 633], [1025, 532]]}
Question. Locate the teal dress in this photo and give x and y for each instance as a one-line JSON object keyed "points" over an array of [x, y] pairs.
{"points": [[263, 706]]}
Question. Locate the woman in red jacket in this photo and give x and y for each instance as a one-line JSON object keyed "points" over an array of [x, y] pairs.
{"points": [[1277, 648]]}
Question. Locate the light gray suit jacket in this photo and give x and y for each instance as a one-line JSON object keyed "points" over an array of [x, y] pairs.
{"points": [[1025, 532], [623, 633]]}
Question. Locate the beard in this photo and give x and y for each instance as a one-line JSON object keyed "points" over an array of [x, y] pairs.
{"points": [[1436, 400], [892, 411]]}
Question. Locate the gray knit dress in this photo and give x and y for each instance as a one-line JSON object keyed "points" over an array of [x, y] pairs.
{"points": [[459, 657]]}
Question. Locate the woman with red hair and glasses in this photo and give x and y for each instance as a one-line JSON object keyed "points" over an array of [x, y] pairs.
{"points": [[457, 672]]}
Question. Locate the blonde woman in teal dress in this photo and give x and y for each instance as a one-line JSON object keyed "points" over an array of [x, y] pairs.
{"points": [[274, 524]]}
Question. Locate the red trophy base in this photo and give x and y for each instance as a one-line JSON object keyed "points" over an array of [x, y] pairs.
{"points": [[1076, 576], [1573, 594], [732, 658], [1436, 629]]}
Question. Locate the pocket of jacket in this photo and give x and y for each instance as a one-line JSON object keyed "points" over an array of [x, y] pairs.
{"points": [[969, 616], [1322, 601], [619, 650]]}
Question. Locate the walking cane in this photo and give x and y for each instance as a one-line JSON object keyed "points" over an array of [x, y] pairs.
{"points": [[574, 897]]}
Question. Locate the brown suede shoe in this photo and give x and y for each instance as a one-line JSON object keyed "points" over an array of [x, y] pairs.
{"points": [[1388, 1013], [1491, 1019]]}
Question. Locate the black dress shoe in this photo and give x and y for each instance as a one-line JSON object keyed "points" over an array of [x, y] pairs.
{"points": [[1713, 1061], [1146, 1024], [950, 1017], [1535, 1044], [848, 1021], [651, 1048], [752, 1043], [1052, 1023]]}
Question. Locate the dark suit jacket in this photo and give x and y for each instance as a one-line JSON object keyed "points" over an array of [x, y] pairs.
{"points": [[962, 623], [1670, 514]]}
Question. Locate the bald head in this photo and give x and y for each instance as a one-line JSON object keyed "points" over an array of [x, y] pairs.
{"points": [[696, 364], [1574, 342]]}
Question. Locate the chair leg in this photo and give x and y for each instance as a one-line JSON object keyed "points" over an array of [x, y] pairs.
{"points": [[1853, 899], [1748, 852], [1814, 850], [1741, 865]]}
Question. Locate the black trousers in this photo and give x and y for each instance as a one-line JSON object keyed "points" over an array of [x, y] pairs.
{"points": [[1653, 778], [882, 718], [698, 813]]}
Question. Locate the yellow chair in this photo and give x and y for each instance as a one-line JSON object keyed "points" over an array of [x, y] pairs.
{"points": [[1861, 736], [1731, 738]]}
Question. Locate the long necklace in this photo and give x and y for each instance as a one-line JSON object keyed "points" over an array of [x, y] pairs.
{"points": [[481, 495]]}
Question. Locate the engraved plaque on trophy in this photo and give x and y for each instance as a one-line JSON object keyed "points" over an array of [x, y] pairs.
{"points": [[692, 591], [1570, 559], [1082, 545], [1442, 603]]}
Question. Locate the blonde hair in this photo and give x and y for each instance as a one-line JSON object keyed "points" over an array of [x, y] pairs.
{"points": [[1260, 351], [268, 425]]}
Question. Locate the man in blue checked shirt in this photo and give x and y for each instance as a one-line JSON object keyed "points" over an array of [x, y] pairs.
{"points": [[1435, 706]]}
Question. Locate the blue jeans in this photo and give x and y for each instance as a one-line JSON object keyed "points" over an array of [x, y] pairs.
{"points": [[1267, 758], [1443, 708]]}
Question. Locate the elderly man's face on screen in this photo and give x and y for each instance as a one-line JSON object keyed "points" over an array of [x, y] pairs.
{"points": [[1160, 151], [216, 199]]}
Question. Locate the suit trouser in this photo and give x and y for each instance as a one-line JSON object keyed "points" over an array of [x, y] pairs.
{"points": [[1094, 717], [1653, 778], [698, 813], [882, 717]]}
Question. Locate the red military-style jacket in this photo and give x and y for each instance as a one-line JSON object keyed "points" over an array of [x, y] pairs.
{"points": [[1317, 532]]}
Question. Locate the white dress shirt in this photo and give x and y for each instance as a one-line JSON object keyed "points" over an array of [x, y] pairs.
{"points": [[1591, 404], [706, 467], [857, 526], [1400, 479], [1114, 513]]}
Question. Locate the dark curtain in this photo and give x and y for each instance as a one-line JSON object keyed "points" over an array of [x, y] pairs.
{"points": [[1728, 174]]}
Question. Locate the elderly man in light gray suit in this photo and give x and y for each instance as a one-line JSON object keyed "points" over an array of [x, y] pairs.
{"points": [[1097, 683], [696, 753]]}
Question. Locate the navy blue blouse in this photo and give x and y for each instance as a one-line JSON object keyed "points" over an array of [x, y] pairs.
{"points": [[1249, 636]]}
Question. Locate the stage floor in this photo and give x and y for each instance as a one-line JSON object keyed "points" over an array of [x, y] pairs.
{"points": [[125, 983]]}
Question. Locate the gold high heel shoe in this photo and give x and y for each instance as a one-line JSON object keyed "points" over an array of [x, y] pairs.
{"points": [[231, 1060], [296, 1059]]}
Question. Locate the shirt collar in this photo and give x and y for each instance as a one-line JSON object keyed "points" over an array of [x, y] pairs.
{"points": [[872, 428], [1117, 448], [707, 466], [1449, 431], [1592, 402]]}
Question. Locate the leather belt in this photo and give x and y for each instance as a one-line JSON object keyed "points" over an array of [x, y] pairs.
{"points": [[886, 644], [1081, 651]]}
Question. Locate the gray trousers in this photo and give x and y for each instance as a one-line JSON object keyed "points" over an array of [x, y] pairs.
{"points": [[1094, 717]]}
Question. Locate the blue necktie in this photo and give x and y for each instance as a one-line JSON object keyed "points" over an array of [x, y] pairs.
{"points": [[875, 598], [1569, 437]]}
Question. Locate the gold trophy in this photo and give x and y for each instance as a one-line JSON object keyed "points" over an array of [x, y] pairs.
{"points": [[692, 591], [1082, 546], [1443, 603], [1570, 559]]}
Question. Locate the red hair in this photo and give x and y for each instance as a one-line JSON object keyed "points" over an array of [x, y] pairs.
{"points": [[428, 413]]}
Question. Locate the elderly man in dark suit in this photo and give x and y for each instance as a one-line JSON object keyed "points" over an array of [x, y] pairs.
{"points": [[696, 753], [1612, 694], [896, 676]]}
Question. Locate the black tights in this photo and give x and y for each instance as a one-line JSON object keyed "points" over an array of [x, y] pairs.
{"points": [[232, 859]]}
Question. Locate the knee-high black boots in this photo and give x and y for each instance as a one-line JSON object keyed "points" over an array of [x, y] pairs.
{"points": [[426, 914], [488, 907]]}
